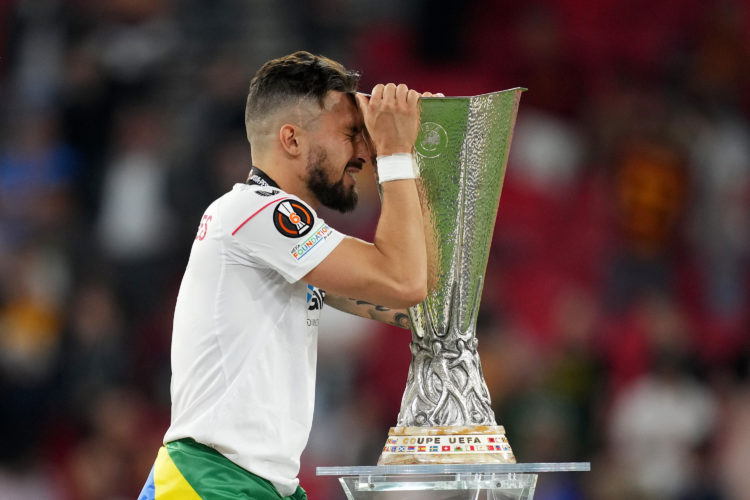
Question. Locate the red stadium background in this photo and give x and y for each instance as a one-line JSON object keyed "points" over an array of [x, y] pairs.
{"points": [[614, 321]]}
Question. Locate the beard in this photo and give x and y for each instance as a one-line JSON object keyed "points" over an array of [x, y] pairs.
{"points": [[334, 195]]}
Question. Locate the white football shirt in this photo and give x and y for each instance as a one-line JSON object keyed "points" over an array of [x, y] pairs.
{"points": [[244, 343]]}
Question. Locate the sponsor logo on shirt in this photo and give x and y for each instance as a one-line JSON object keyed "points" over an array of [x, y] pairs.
{"points": [[301, 249], [315, 298], [271, 192], [292, 218]]}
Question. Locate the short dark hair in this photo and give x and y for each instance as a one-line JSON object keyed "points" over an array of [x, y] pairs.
{"points": [[300, 75]]}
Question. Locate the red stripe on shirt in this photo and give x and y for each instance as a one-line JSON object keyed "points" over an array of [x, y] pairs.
{"points": [[256, 213]]}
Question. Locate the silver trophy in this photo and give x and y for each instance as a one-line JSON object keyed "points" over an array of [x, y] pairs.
{"points": [[462, 152], [446, 444]]}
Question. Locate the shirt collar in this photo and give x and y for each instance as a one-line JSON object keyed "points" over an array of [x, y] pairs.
{"points": [[258, 177]]}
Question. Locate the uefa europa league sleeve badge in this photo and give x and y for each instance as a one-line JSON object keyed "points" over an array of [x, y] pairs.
{"points": [[462, 152]]}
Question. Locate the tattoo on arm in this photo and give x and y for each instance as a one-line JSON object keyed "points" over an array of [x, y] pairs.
{"points": [[396, 317], [364, 303], [402, 320]]}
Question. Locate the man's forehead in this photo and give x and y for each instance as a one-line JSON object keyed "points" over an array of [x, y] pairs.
{"points": [[342, 106], [336, 98]]}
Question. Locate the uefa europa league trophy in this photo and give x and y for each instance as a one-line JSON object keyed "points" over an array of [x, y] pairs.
{"points": [[446, 444], [462, 151]]}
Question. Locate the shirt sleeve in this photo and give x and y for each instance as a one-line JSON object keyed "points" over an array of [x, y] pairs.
{"points": [[282, 233]]}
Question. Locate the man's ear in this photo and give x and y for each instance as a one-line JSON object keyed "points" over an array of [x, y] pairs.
{"points": [[289, 137]]}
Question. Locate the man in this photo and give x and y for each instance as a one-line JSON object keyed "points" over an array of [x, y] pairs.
{"points": [[245, 325]]}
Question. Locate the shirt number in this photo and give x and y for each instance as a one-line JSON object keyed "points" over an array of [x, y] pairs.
{"points": [[203, 228]]}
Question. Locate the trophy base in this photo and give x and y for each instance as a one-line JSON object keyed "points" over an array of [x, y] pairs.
{"points": [[445, 481], [453, 444]]}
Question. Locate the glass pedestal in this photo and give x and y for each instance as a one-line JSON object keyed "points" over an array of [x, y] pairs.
{"points": [[445, 481]]}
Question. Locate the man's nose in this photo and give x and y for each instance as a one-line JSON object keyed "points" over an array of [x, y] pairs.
{"points": [[362, 148]]}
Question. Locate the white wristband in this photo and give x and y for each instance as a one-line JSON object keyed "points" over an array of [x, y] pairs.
{"points": [[397, 166]]}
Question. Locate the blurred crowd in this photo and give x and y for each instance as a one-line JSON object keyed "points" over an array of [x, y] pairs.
{"points": [[616, 308]]}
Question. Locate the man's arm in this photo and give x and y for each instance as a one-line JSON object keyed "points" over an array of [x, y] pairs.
{"points": [[391, 271], [396, 317]]}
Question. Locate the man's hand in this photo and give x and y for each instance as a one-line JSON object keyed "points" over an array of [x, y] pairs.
{"points": [[391, 117], [391, 271]]}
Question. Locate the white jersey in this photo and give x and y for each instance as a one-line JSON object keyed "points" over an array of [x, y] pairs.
{"points": [[244, 344]]}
